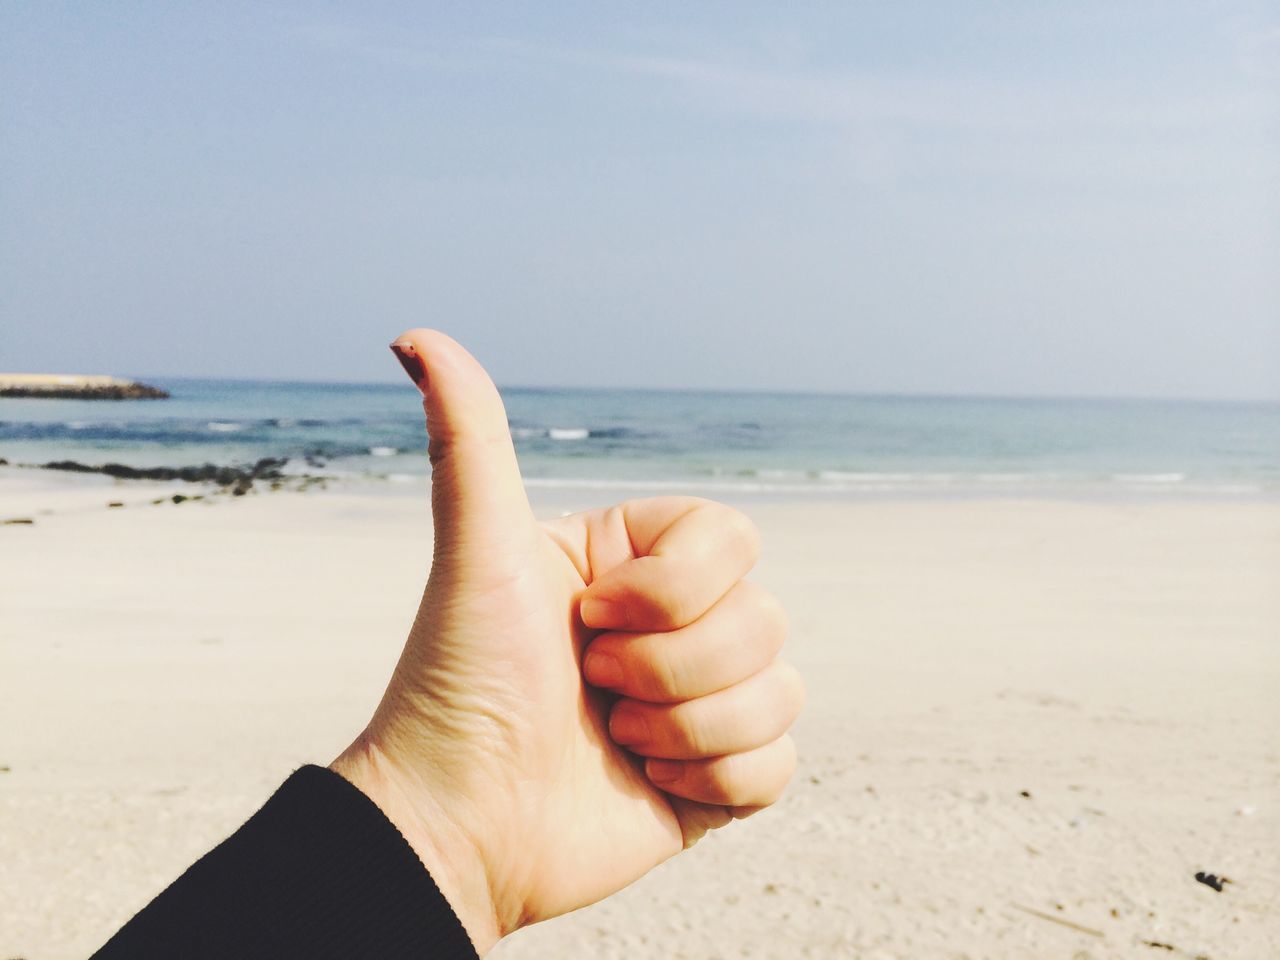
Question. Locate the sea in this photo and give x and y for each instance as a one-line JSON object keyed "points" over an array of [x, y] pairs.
{"points": [[707, 443]]}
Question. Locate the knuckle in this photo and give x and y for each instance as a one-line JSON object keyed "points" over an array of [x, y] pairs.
{"points": [[742, 531], [724, 779], [769, 794], [676, 607], [790, 759], [757, 778], [666, 675], [791, 692], [771, 615], [615, 518], [799, 692], [697, 735], [780, 760]]}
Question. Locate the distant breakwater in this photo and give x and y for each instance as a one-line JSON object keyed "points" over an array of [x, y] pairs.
{"points": [[51, 386]]}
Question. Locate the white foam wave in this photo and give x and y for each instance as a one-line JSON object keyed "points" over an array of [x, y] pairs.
{"points": [[592, 483], [568, 433], [1234, 488], [1149, 477], [859, 477], [224, 426], [819, 482], [705, 486], [383, 451]]}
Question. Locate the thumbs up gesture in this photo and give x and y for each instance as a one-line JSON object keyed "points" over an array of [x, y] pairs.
{"points": [[577, 700]]}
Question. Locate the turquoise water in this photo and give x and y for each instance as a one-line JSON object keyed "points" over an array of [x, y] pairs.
{"points": [[700, 442]]}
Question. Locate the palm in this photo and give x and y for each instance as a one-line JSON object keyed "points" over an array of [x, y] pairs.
{"points": [[506, 638]]}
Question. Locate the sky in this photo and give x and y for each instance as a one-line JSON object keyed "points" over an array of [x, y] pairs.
{"points": [[1028, 198]]}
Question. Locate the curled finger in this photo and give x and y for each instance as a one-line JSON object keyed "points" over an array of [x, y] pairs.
{"points": [[754, 778]]}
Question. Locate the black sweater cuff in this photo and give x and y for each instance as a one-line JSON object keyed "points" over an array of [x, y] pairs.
{"points": [[319, 872]]}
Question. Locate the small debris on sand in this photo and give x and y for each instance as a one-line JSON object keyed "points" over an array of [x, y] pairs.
{"points": [[1212, 880], [1061, 921]]}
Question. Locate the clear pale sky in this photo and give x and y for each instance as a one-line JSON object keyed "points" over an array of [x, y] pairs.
{"points": [[946, 197]]}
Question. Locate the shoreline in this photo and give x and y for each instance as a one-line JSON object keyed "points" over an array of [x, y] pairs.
{"points": [[49, 488], [719, 446]]}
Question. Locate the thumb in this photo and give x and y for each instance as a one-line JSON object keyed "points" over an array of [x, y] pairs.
{"points": [[478, 501]]}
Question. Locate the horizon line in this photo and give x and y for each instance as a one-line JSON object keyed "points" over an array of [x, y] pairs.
{"points": [[750, 391]]}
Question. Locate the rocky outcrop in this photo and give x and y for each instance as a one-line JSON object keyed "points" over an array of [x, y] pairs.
{"points": [[51, 386], [238, 480]]}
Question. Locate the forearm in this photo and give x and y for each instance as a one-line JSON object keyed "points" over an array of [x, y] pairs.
{"points": [[455, 864], [318, 872]]}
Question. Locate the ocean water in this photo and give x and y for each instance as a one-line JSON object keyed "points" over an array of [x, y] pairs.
{"points": [[793, 444]]}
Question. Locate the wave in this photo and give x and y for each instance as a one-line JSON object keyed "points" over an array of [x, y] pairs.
{"points": [[269, 435], [856, 476], [795, 482], [1149, 477], [703, 485], [616, 433], [1237, 488], [286, 423], [535, 432]]}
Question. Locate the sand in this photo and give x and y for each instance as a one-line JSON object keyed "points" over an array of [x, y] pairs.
{"points": [[1029, 723]]}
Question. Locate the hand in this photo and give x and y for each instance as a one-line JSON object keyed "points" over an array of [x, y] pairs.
{"points": [[525, 791]]}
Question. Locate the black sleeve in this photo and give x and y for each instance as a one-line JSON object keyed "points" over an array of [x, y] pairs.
{"points": [[319, 872]]}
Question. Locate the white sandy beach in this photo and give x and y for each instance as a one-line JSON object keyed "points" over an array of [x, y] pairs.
{"points": [[1022, 715]]}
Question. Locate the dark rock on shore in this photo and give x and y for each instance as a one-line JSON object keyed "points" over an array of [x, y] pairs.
{"points": [[238, 479]]}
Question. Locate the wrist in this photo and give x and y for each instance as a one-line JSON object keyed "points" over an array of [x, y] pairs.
{"points": [[454, 862]]}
